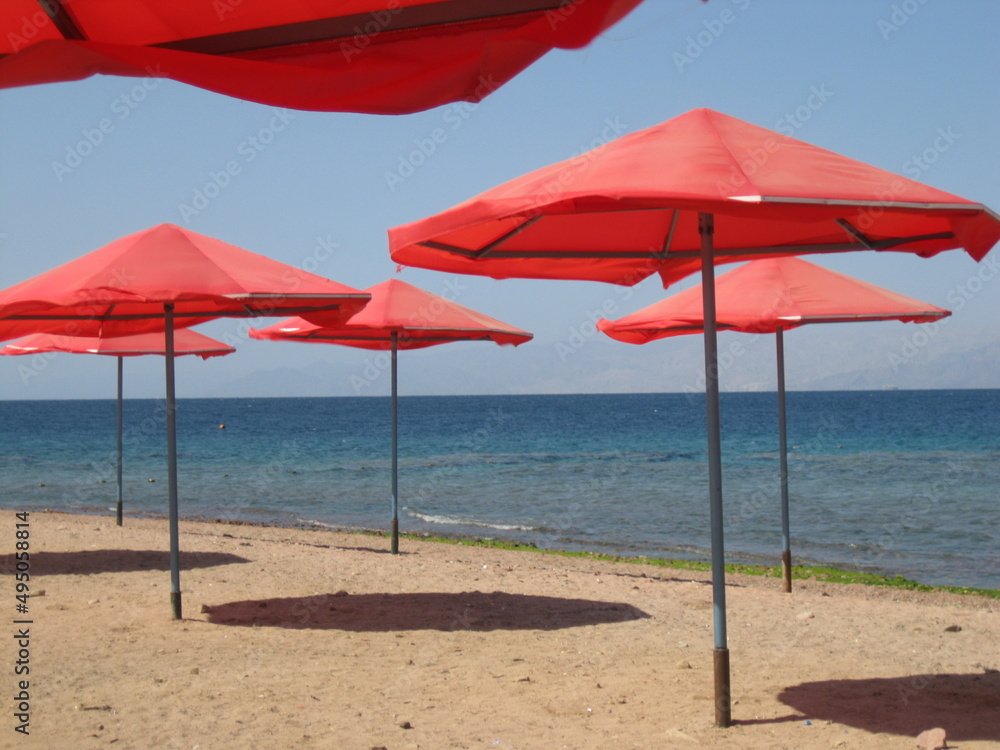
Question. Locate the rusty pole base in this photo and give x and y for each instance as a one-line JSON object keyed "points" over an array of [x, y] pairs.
{"points": [[786, 570], [175, 604], [394, 547], [723, 695]]}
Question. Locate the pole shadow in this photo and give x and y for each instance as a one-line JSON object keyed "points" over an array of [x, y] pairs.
{"points": [[967, 706], [472, 610], [91, 561]]}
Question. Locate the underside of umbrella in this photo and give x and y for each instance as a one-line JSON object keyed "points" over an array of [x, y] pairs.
{"points": [[186, 342], [374, 56]]}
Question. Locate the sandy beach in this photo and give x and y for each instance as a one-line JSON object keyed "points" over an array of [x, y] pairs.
{"points": [[315, 639]]}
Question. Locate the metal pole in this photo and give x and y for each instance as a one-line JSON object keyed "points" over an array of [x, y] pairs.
{"points": [[118, 505], [395, 443], [786, 546], [175, 562], [723, 702]]}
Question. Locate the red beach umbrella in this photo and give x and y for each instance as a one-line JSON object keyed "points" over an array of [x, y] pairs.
{"points": [[374, 56], [630, 208], [399, 316], [678, 197], [186, 342], [772, 296], [157, 279], [123, 288]]}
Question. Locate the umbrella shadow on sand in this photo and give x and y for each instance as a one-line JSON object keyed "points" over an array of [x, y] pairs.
{"points": [[965, 705], [470, 610], [86, 562]]}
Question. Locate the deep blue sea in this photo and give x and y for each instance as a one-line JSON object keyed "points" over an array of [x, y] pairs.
{"points": [[893, 481]]}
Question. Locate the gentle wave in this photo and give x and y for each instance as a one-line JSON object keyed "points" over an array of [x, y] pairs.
{"points": [[455, 521]]}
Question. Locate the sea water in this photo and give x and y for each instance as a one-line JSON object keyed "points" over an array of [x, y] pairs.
{"points": [[897, 482]]}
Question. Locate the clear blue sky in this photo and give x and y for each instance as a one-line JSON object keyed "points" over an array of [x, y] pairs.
{"points": [[908, 86]]}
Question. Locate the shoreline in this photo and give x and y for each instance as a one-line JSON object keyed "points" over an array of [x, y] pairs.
{"points": [[319, 639], [819, 571]]}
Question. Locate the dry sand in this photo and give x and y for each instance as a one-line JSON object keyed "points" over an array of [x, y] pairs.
{"points": [[309, 639]]}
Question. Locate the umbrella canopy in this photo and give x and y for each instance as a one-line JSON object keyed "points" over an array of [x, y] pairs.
{"points": [[770, 296], [414, 318], [374, 56], [152, 280], [121, 288], [766, 296], [186, 342], [628, 209], [672, 199], [399, 316]]}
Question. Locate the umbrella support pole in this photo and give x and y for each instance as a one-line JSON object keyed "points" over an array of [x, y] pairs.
{"points": [[118, 504], [723, 702], [175, 564], [786, 546], [395, 444]]}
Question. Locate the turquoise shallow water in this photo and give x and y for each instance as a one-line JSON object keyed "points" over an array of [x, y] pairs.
{"points": [[895, 481]]}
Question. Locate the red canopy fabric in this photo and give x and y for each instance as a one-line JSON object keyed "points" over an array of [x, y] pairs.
{"points": [[765, 295], [186, 342], [373, 56], [418, 319], [121, 288], [628, 209]]}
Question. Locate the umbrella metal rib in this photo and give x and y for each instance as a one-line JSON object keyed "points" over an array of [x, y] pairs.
{"points": [[326, 29], [863, 243], [63, 21], [247, 312]]}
